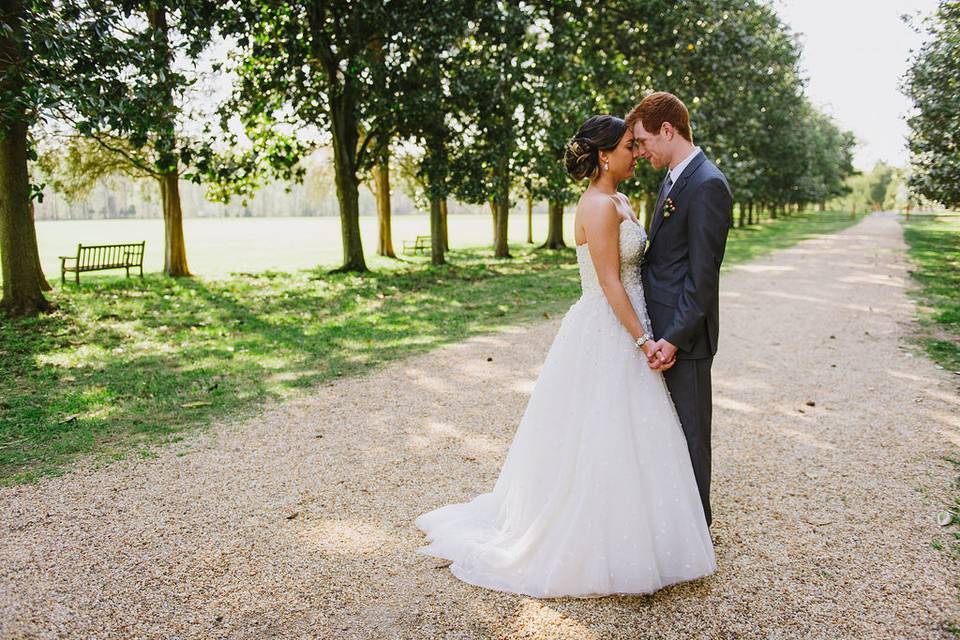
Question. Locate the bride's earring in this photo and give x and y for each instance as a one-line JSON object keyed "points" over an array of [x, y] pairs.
{"points": [[606, 165]]}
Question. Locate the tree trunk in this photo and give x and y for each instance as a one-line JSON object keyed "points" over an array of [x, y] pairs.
{"points": [[773, 212], [174, 250], [501, 248], [44, 285], [381, 178], [19, 258], [174, 247], [343, 126], [436, 232], [529, 219], [23, 279], [446, 229], [501, 209], [743, 214], [554, 226]]}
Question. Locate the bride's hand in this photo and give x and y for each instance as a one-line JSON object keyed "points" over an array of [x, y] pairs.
{"points": [[649, 350]]}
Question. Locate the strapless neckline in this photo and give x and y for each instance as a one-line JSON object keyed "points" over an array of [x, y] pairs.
{"points": [[637, 222]]}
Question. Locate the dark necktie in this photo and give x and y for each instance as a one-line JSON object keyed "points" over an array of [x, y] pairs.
{"points": [[665, 189]]}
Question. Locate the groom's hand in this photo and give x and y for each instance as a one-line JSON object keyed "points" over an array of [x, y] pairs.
{"points": [[664, 355], [650, 351]]}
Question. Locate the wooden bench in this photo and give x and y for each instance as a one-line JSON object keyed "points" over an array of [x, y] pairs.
{"points": [[97, 257], [420, 245]]}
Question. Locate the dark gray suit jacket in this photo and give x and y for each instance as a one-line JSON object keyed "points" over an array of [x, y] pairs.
{"points": [[681, 269]]}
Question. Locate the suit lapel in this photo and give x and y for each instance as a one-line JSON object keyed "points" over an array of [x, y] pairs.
{"points": [[675, 192]]}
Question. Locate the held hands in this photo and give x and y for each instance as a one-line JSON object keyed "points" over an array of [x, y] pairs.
{"points": [[661, 355]]}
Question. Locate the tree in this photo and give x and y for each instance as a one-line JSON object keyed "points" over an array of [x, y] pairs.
{"points": [[22, 276], [432, 104], [492, 70], [336, 67], [153, 43], [933, 84], [568, 72], [879, 183], [44, 64]]}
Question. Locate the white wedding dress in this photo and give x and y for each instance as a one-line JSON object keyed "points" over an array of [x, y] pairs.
{"points": [[597, 494]]}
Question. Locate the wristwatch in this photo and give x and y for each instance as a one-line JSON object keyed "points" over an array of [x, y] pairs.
{"points": [[642, 339]]}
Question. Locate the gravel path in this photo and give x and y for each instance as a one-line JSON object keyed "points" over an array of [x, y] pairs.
{"points": [[299, 523]]}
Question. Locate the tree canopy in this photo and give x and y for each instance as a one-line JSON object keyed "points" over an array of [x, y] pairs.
{"points": [[933, 84], [486, 94]]}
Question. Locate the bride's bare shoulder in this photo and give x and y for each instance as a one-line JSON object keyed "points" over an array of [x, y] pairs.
{"points": [[597, 207]]}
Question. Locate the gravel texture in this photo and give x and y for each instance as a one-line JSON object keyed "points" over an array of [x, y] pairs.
{"points": [[829, 446]]}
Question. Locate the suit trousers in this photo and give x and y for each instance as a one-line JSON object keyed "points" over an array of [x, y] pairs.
{"points": [[690, 389]]}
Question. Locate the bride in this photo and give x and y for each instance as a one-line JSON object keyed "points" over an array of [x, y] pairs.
{"points": [[597, 494]]}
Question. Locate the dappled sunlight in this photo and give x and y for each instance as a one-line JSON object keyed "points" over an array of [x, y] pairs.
{"points": [[762, 268], [83, 355], [542, 614], [817, 300], [762, 365], [523, 386], [733, 405], [741, 383], [293, 376], [910, 376], [481, 369], [953, 437], [428, 381], [804, 437], [950, 398], [877, 279], [491, 339], [951, 420], [437, 431], [347, 537]]}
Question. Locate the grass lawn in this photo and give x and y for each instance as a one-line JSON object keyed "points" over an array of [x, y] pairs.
{"points": [[935, 249], [126, 364]]}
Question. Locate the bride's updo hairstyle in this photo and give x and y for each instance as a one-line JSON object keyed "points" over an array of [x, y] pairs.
{"points": [[582, 154]]}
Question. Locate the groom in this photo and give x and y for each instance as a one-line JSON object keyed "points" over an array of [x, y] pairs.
{"points": [[681, 269]]}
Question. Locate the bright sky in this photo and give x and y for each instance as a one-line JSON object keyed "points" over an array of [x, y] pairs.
{"points": [[854, 54]]}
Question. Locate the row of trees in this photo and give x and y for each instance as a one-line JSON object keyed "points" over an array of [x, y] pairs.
{"points": [[933, 84], [479, 98]]}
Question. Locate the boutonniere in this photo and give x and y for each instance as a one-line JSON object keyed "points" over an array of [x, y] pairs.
{"points": [[668, 207]]}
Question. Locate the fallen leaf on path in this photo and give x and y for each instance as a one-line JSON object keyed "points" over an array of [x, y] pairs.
{"points": [[817, 524]]}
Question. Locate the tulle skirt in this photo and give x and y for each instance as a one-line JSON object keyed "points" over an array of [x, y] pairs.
{"points": [[597, 494]]}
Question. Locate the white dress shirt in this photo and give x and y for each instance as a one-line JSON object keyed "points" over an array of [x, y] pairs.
{"points": [[677, 170]]}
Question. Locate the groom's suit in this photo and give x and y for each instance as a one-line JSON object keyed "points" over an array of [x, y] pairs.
{"points": [[681, 273]]}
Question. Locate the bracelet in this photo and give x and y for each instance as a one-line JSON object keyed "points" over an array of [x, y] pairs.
{"points": [[641, 340]]}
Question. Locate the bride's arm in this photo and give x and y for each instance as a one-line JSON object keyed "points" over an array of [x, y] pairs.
{"points": [[602, 228]]}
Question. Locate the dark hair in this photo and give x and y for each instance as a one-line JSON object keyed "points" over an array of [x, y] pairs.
{"points": [[582, 154], [660, 107]]}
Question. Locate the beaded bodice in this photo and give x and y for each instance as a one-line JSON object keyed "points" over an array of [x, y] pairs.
{"points": [[633, 240], [632, 243]]}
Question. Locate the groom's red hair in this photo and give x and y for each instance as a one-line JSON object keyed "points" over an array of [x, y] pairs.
{"points": [[660, 107]]}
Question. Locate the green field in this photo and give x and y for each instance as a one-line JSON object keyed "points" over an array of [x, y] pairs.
{"points": [[127, 364], [218, 246]]}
